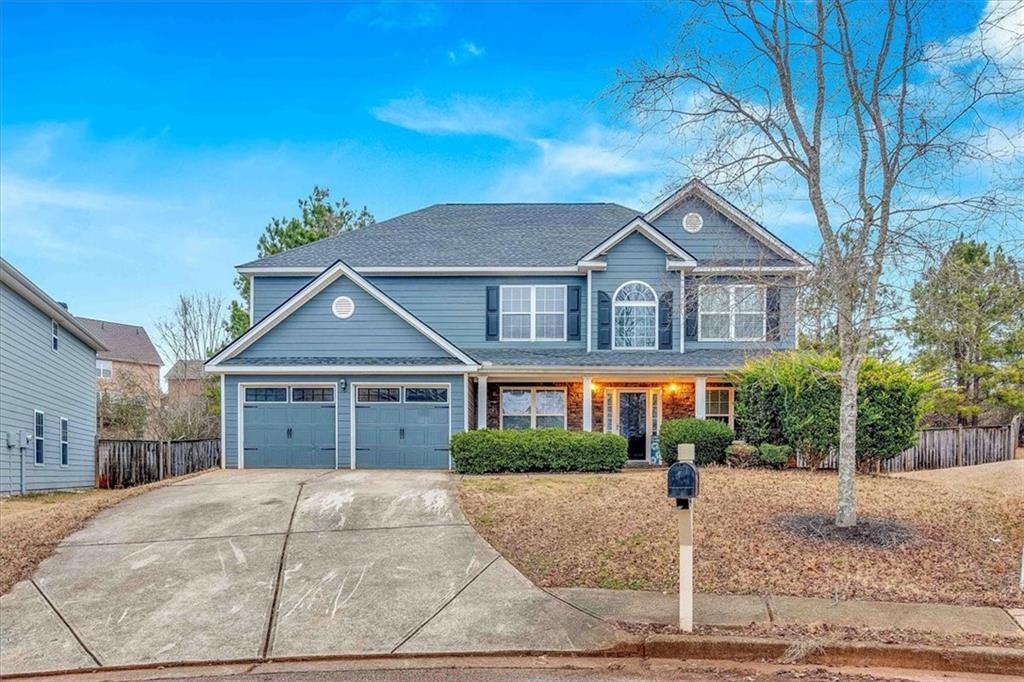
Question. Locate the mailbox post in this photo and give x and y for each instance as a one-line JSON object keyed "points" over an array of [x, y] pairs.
{"points": [[683, 485]]}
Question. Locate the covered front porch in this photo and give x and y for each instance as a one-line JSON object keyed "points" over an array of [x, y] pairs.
{"points": [[633, 406]]}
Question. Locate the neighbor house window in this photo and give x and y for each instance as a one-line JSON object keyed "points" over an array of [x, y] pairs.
{"points": [[533, 313], [64, 454], [104, 369], [635, 311], [731, 312], [266, 395], [718, 405], [532, 408], [54, 334], [39, 437]]}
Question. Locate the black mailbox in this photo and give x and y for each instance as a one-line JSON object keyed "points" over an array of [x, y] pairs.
{"points": [[683, 482]]}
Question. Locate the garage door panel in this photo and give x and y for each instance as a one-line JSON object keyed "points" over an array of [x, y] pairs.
{"points": [[402, 435], [293, 435]]}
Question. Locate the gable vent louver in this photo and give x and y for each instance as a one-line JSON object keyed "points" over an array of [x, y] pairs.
{"points": [[692, 222], [343, 307]]}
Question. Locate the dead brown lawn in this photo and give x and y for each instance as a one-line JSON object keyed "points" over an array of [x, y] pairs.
{"points": [[619, 531], [31, 526]]}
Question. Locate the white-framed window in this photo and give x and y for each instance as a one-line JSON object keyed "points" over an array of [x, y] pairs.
{"points": [[718, 404], [54, 335], [379, 394], [532, 408], [533, 313], [64, 452], [104, 369], [266, 394], [39, 440], [635, 317], [731, 312]]}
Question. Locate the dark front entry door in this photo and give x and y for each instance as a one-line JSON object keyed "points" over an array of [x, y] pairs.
{"points": [[633, 422]]}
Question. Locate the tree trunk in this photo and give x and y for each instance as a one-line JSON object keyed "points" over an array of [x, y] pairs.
{"points": [[846, 505]]}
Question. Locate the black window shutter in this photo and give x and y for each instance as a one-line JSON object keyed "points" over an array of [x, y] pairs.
{"points": [[773, 312], [665, 321], [492, 314], [572, 328], [691, 309], [604, 320]]}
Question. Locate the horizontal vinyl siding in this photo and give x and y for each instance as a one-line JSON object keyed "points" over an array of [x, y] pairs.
{"points": [[372, 331], [636, 258], [269, 292], [457, 399], [718, 239], [456, 307], [60, 384]]}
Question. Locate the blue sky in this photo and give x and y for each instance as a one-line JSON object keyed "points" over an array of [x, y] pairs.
{"points": [[143, 147]]}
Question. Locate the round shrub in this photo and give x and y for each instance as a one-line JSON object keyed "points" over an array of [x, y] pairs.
{"points": [[489, 451], [776, 456], [710, 439], [741, 455]]}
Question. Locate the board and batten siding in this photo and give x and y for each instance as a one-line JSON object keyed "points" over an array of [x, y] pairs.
{"points": [[457, 400], [372, 331], [636, 258], [60, 384]]}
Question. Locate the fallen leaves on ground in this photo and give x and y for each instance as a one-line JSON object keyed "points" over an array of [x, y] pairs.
{"points": [[619, 531], [31, 526]]}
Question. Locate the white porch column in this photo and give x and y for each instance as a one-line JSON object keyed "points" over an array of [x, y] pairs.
{"points": [[699, 398], [588, 408], [481, 402]]}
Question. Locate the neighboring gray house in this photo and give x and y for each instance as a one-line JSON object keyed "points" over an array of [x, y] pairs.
{"points": [[370, 348], [47, 391]]}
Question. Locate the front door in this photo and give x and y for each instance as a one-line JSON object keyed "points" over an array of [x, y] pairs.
{"points": [[633, 422]]}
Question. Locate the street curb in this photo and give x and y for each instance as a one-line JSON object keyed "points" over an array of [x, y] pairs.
{"points": [[993, 660]]}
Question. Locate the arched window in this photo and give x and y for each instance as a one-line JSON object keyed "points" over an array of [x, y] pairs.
{"points": [[635, 315]]}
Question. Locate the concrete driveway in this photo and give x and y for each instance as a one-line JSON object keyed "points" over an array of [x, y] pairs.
{"points": [[276, 563]]}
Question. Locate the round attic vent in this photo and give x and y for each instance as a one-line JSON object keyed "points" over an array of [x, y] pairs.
{"points": [[692, 222], [343, 307]]}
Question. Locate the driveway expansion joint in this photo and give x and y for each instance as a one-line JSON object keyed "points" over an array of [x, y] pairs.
{"points": [[579, 608], [444, 605], [64, 620], [268, 640]]}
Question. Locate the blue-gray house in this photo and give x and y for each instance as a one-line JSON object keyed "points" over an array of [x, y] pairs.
{"points": [[370, 348], [47, 391]]}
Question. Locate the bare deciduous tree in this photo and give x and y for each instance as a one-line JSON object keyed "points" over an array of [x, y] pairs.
{"points": [[195, 328], [892, 136]]}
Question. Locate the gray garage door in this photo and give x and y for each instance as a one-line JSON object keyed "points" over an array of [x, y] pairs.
{"points": [[402, 427], [289, 427]]}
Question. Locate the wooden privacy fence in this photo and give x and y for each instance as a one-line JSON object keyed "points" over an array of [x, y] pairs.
{"points": [[949, 447], [127, 463]]}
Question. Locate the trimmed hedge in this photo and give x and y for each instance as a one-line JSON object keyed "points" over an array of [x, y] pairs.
{"points": [[774, 455], [710, 439], [490, 451]]}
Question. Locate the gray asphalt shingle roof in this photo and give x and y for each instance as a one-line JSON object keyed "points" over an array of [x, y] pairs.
{"points": [[520, 235], [126, 342], [660, 360]]}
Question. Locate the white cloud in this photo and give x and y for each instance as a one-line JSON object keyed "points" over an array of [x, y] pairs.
{"points": [[466, 50], [999, 36], [457, 116], [392, 15]]}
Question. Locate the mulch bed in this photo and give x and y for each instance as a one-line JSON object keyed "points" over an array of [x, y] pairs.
{"points": [[757, 532]]}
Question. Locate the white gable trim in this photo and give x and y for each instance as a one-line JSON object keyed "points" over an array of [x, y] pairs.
{"points": [[425, 271], [307, 292], [720, 204], [652, 233]]}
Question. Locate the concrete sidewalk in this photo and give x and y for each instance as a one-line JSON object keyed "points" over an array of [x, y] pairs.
{"points": [[728, 610]]}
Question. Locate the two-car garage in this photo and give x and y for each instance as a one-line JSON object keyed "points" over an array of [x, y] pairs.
{"points": [[364, 425]]}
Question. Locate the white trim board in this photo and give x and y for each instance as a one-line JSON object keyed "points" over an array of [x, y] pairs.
{"points": [[639, 224], [341, 369], [721, 204], [425, 271], [303, 295]]}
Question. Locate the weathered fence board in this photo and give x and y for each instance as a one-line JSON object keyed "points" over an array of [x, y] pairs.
{"points": [[127, 463], [952, 447]]}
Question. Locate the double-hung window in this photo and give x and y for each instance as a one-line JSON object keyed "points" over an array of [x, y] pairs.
{"points": [[533, 313], [104, 369], [733, 312], [635, 312], [39, 440], [532, 408], [718, 405], [64, 453], [54, 335]]}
